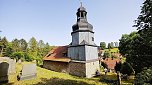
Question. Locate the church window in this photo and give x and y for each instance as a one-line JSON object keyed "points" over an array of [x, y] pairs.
{"points": [[92, 39]]}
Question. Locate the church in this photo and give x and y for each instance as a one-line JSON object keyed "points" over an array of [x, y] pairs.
{"points": [[80, 57]]}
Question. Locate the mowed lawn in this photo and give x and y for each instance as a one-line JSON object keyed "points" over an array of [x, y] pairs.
{"points": [[47, 77]]}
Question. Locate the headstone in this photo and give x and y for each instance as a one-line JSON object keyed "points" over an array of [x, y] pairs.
{"points": [[12, 66], [4, 72], [34, 61], [19, 61], [28, 72]]}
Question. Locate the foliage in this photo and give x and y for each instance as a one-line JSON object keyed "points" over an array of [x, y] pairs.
{"points": [[144, 77], [3, 46], [18, 55], [107, 54], [127, 69], [109, 46], [118, 66], [136, 47], [102, 45], [20, 49], [104, 64]]}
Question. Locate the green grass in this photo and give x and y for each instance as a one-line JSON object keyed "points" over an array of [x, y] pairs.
{"points": [[47, 77], [112, 50]]}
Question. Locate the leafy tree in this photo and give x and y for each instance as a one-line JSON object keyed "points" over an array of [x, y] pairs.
{"points": [[9, 50], [144, 77], [33, 48], [41, 46], [137, 48], [126, 69], [104, 64], [125, 43], [102, 45], [23, 45], [18, 55], [3, 46], [116, 44], [109, 46], [118, 66], [112, 44], [16, 45], [46, 48], [107, 54]]}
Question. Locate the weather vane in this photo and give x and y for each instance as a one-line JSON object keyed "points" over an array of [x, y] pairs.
{"points": [[80, 2]]}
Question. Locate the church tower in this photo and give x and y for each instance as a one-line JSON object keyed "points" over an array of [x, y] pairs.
{"points": [[83, 51]]}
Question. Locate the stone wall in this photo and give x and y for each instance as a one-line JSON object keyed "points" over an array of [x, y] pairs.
{"points": [[77, 69], [91, 68], [56, 66]]}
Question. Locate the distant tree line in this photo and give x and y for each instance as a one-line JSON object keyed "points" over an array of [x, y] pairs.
{"points": [[26, 51], [109, 46]]}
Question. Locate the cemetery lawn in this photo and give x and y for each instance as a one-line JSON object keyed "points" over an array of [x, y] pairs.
{"points": [[47, 77]]}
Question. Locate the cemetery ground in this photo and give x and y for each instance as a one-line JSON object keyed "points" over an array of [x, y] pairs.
{"points": [[47, 77]]}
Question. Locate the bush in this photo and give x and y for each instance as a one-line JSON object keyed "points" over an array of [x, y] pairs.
{"points": [[118, 66], [104, 64], [144, 77], [127, 69]]}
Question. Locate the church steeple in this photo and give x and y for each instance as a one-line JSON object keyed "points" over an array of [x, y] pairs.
{"points": [[82, 23], [81, 13]]}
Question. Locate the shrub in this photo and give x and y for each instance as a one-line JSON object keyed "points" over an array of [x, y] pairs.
{"points": [[126, 69], [144, 77], [118, 66], [104, 64]]}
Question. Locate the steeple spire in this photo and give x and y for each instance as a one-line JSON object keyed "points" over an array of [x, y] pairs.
{"points": [[80, 3]]}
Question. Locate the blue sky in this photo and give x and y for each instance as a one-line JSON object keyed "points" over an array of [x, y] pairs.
{"points": [[52, 20]]}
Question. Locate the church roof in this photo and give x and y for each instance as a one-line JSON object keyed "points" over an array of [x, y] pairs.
{"points": [[58, 54]]}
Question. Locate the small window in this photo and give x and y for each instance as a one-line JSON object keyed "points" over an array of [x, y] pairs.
{"points": [[49, 55], [92, 39], [65, 54]]}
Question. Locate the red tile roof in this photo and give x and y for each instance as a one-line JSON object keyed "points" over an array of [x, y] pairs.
{"points": [[58, 54], [111, 63]]}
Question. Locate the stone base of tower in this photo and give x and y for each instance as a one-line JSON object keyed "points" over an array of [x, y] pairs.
{"points": [[84, 68]]}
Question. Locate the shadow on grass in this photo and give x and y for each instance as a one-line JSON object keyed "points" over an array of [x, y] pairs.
{"points": [[109, 79], [60, 81]]}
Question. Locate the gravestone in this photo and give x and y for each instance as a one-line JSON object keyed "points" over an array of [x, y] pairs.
{"points": [[28, 72], [12, 66], [7, 67], [19, 61], [4, 72]]}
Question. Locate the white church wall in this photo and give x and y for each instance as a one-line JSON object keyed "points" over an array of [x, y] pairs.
{"points": [[77, 53], [91, 52]]}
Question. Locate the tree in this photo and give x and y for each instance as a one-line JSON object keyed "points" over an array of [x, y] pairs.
{"points": [[33, 48], [16, 45], [3, 46], [8, 50], [104, 64], [116, 44], [102, 45], [107, 54], [23, 45], [41, 46], [144, 77], [126, 43], [137, 48], [118, 66], [112, 44], [126, 69], [47, 48], [109, 46]]}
